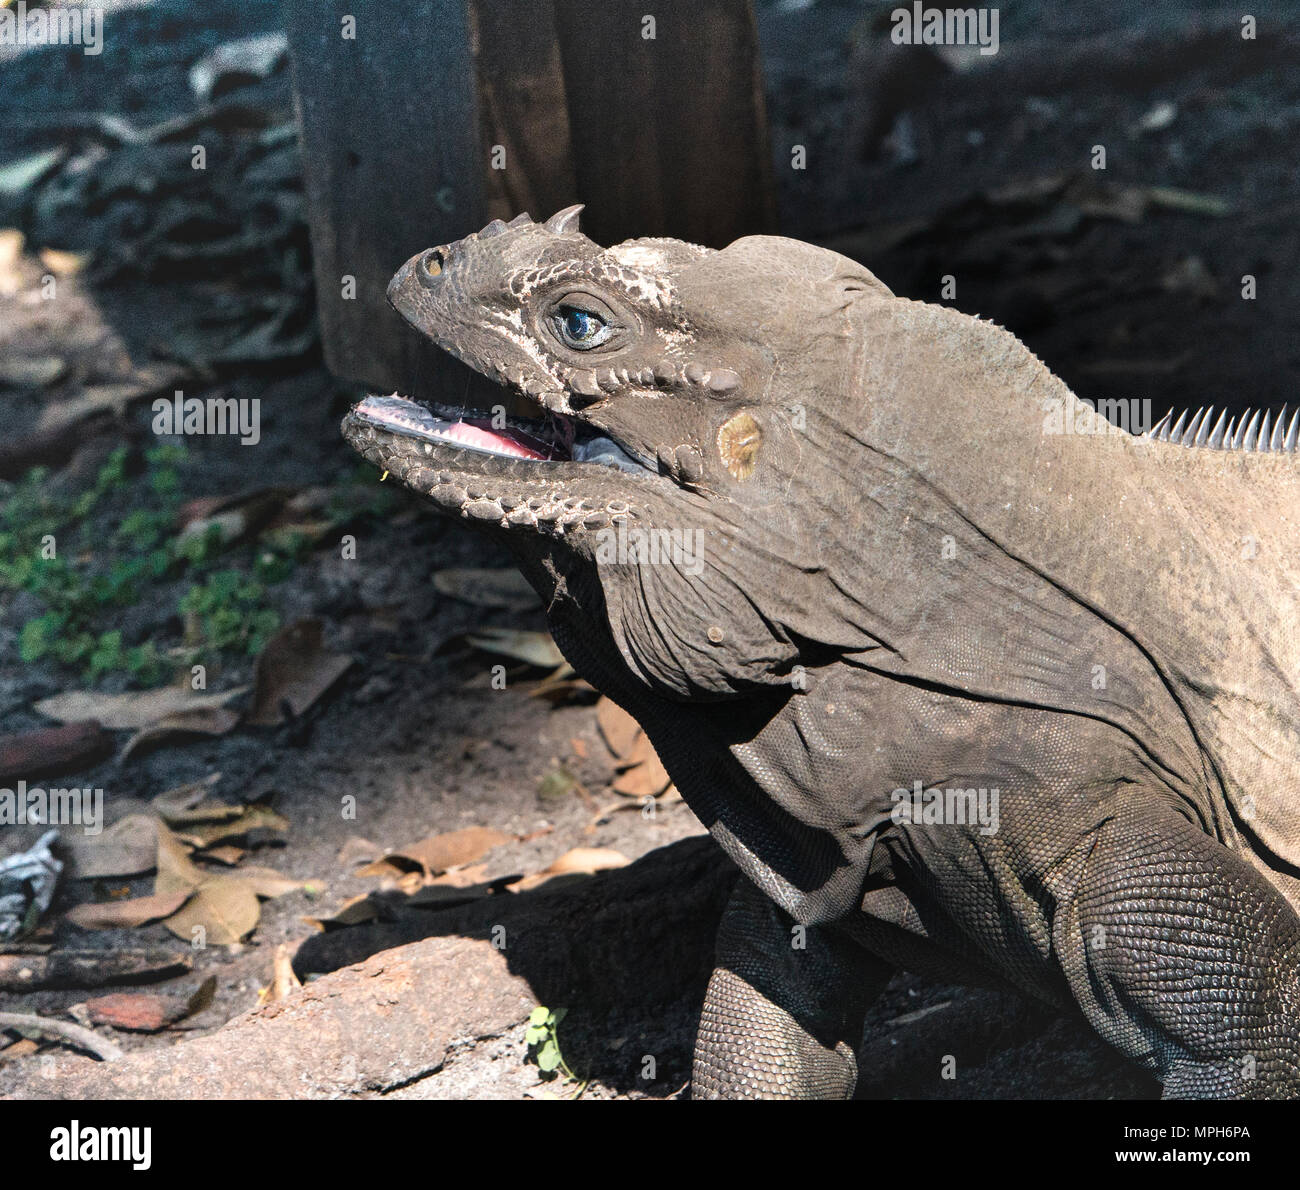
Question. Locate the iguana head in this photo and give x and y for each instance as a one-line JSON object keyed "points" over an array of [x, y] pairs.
{"points": [[668, 457]]}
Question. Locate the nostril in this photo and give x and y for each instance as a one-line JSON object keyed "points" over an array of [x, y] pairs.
{"points": [[432, 262]]}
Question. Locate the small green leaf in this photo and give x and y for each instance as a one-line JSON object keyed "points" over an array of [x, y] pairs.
{"points": [[548, 1057]]}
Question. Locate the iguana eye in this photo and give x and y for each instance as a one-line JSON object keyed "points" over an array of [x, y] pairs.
{"points": [[580, 329]]}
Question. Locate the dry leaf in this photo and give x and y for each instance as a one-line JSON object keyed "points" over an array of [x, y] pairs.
{"points": [[464, 877], [502, 587], [134, 710], [645, 775], [357, 850], [353, 912], [176, 871], [224, 907], [20, 1049], [438, 853], [61, 263], [581, 861], [283, 979], [116, 915], [196, 721], [536, 648], [250, 818], [266, 883], [179, 803], [293, 670], [617, 727], [127, 848]]}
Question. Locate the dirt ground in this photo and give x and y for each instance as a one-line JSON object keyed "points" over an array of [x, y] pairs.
{"points": [[1127, 282]]}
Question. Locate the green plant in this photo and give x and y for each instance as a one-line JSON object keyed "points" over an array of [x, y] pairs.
{"points": [[226, 612], [543, 1040], [50, 549]]}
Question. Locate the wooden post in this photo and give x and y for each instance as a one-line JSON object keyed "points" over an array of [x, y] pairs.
{"points": [[654, 120], [392, 163], [669, 131]]}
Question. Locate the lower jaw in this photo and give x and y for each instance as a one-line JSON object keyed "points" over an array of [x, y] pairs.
{"points": [[491, 489]]}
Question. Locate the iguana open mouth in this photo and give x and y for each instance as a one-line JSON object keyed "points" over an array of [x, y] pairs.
{"points": [[554, 438]]}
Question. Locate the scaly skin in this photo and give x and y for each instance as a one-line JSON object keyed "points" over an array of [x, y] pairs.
{"points": [[893, 568]]}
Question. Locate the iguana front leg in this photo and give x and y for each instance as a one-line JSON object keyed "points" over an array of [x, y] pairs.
{"points": [[1184, 957], [784, 1008]]}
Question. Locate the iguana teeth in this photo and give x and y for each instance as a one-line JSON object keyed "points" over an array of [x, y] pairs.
{"points": [[1215, 439], [1229, 434], [1160, 431], [1279, 432], [1290, 442], [1252, 432], [1203, 430], [1263, 444], [1176, 434]]}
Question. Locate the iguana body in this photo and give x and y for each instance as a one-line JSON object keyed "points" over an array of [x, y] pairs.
{"points": [[908, 559]]}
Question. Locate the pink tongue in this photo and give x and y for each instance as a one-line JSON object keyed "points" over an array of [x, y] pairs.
{"points": [[472, 435]]}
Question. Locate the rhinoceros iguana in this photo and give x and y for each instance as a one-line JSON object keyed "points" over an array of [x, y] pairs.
{"points": [[965, 680]]}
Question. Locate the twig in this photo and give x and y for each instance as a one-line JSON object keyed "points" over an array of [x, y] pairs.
{"points": [[81, 1038]]}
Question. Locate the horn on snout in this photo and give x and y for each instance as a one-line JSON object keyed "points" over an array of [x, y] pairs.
{"points": [[565, 222]]}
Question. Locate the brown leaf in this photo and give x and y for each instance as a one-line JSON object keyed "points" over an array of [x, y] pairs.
{"points": [[581, 861], [535, 648], [357, 850], [127, 848], [185, 803], [20, 1049], [250, 818], [202, 996], [502, 587], [353, 912], [461, 877], [646, 777], [283, 979], [198, 721], [116, 915], [294, 669], [176, 871], [133, 710], [438, 852], [236, 516], [224, 907], [617, 727], [267, 883]]}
